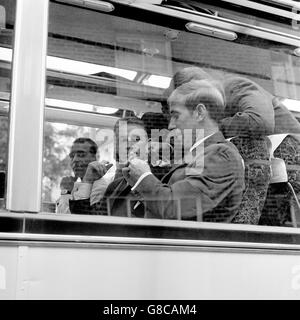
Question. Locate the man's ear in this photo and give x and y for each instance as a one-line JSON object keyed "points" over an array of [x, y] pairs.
{"points": [[200, 112]]}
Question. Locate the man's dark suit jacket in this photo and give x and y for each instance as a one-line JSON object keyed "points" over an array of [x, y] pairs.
{"points": [[208, 188], [251, 111], [118, 199]]}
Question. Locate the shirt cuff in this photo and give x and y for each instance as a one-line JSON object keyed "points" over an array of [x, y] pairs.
{"points": [[140, 179], [81, 190]]}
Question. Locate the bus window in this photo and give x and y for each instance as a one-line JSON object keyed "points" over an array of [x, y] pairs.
{"points": [[105, 67], [7, 21]]}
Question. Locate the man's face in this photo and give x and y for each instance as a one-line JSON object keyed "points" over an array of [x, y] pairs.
{"points": [[182, 118], [137, 136], [136, 140], [81, 156]]}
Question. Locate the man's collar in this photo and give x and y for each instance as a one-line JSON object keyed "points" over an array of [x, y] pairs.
{"points": [[214, 137]]}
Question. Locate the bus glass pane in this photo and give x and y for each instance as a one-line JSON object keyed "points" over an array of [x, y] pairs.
{"points": [[103, 67]]}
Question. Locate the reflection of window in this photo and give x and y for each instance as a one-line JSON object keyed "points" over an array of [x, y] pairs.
{"points": [[80, 106], [151, 50], [285, 75]]}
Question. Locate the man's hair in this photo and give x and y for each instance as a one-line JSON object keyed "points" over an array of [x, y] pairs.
{"points": [[207, 92], [189, 73], [182, 76], [93, 144], [154, 120], [186, 75], [129, 121]]}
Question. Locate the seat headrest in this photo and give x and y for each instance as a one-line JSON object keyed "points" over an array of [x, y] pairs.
{"points": [[278, 171], [276, 140]]}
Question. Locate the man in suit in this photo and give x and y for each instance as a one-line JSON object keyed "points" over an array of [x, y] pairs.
{"points": [[119, 199], [131, 135], [248, 118], [105, 173], [83, 153], [250, 110], [209, 185], [251, 114]]}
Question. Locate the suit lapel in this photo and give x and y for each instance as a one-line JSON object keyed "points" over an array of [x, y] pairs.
{"points": [[167, 176], [215, 138], [118, 191]]}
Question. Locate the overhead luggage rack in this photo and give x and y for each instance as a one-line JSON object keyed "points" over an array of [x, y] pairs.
{"points": [[286, 11]]}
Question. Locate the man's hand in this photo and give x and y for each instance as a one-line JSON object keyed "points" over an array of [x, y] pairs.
{"points": [[96, 170], [67, 183], [134, 170]]}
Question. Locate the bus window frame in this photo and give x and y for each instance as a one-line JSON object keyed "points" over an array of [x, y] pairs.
{"points": [[32, 225], [147, 232], [26, 123]]}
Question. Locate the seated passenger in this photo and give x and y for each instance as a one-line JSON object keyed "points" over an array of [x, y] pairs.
{"points": [[277, 209], [250, 111], [82, 156], [130, 136], [248, 118], [119, 199], [159, 165], [206, 187]]}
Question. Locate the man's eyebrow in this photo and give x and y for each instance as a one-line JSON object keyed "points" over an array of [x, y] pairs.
{"points": [[78, 151]]}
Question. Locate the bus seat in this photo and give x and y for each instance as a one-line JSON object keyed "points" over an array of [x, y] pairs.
{"points": [[256, 155], [282, 206], [294, 207]]}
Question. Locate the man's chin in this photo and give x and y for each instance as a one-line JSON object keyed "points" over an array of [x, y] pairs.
{"points": [[78, 173]]}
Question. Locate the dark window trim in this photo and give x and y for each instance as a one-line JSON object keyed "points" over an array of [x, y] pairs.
{"points": [[130, 228]]}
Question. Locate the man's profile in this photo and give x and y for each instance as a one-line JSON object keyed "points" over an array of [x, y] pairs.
{"points": [[211, 191]]}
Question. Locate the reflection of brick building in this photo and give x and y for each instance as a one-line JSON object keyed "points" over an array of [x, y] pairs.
{"points": [[121, 42]]}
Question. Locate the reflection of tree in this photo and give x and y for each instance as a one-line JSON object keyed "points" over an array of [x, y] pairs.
{"points": [[58, 139], [55, 161]]}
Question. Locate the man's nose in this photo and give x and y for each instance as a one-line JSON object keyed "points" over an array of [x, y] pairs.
{"points": [[75, 158], [171, 125], [130, 143]]}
